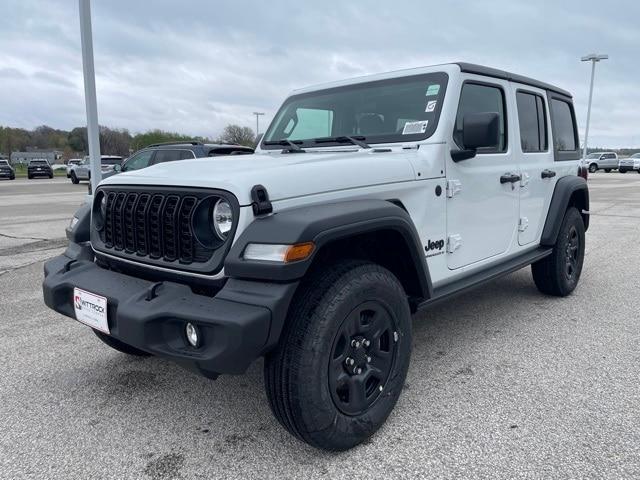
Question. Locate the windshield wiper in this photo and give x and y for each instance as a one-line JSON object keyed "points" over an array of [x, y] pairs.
{"points": [[344, 138], [293, 145]]}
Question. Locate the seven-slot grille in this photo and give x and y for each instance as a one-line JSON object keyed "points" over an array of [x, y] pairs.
{"points": [[153, 225]]}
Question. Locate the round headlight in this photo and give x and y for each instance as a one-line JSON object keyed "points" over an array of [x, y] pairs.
{"points": [[222, 218]]}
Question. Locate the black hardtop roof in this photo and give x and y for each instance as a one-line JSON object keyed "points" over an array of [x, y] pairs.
{"points": [[514, 77]]}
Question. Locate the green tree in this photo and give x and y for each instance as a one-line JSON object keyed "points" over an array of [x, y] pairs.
{"points": [[142, 140]]}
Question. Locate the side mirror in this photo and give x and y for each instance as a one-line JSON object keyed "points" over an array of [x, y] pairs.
{"points": [[117, 168], [478, 130]]}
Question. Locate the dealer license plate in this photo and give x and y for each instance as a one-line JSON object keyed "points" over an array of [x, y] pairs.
{"points": [[90, 309]]}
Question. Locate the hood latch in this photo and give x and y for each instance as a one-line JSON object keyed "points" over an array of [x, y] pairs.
{"points": [[261, 204]]}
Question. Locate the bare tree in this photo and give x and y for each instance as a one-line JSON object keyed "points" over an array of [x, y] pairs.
{"points": [[238, 135]]}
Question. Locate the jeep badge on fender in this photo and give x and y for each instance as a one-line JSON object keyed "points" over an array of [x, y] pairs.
{"points": [[320, 270]]}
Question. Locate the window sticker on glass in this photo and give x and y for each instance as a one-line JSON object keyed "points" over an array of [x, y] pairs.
{"points": [[433, 90], [431, 106], [411, 128]]}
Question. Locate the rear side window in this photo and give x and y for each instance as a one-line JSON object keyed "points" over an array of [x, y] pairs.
{"points": [[171, 155], [480, 98], [609, 155], [533, 122], [564, 132]]}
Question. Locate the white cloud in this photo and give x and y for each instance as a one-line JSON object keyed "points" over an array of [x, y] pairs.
{"points": [[195, 66]]}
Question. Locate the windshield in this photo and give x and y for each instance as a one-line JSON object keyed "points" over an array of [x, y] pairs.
{"points": [[4, 162], [38, 162], [395, 110], [635, 155]]}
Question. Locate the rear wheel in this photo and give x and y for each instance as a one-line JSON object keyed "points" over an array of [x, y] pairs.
{"points": [[558, 274], [74, 178], [607, 170], [593, 168], [343, 356]]}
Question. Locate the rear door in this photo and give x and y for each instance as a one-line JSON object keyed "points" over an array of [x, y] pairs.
{"points": [[482, 212], [535, 157]]}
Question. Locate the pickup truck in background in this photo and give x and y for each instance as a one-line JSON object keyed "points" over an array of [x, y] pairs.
{"points": [[606, 161]]}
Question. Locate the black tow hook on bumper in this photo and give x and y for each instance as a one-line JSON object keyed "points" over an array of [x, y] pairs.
{"points": [[237, 325]]}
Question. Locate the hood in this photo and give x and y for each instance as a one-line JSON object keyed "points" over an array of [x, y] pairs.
{"points": [[284, 175]]}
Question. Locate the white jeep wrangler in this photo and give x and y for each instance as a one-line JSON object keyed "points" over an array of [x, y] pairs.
{"points": [[367, 200]]}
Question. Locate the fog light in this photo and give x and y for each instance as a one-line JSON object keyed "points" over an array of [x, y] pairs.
{"points": [[192, 334]]}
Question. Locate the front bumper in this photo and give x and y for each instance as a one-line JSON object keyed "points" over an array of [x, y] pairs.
{"points": [[626, 168], [236, 325]]}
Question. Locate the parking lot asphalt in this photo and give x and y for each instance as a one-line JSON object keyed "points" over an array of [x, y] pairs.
{"points": [[504, 382]]}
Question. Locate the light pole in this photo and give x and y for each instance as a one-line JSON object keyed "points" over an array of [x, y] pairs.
{"points": [[257, 114], [593, 58]]}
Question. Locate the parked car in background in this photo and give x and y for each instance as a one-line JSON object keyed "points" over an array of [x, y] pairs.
{"points": [[606, 161], [39, 168], [82, 171], [6, 170], [630, 164], [71, 163], [172, 151]]}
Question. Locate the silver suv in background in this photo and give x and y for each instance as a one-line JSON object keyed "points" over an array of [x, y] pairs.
{"points": [[606, 161], [82, 171], [630, 164], [71, 163]]}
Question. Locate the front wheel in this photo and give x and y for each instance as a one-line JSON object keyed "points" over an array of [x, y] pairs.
{"points": [[558, 274], [343, 355], [119, 346], [593, 168]]}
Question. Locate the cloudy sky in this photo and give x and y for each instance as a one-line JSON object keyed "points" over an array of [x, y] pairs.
{"points": [[193, 66]]}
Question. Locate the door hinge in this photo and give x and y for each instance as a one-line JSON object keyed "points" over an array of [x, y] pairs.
{"points": [[453, 187], [523, 223], [454, 242], [524, 179]]}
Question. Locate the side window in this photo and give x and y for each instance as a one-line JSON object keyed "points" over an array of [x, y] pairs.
{"points": [[138, 161], [478, 98], [168, 156], [311, 123], [186, 154], [533, 122], [564, 134]]}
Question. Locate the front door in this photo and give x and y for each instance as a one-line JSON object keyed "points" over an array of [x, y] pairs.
{"points": [[483, 192]]}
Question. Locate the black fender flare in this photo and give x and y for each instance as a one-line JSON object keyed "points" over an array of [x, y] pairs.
{"points": [[564, 191], [322, 224]]}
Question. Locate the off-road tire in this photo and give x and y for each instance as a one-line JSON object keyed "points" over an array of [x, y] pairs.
{"points": [[120, 346], [559, 273], [593, 168], [297, 373], [74, 178]]}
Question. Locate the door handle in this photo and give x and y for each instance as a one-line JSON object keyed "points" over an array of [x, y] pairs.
{"points": [[510, 178], [548, 173]]}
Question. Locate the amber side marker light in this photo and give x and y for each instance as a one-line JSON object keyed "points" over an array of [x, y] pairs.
{"points": [[268, 252]]}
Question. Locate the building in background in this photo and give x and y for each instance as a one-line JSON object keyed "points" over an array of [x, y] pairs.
{"points": [[23, 158]]}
